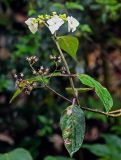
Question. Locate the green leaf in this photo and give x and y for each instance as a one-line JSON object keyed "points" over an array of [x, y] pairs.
{"points": [[17, 154], [38, 79], [113, 140], [72, 5], [16, 93], [73, 128], [101, 91], [99, 149], [79, 90], [85, 28], [57, 158], [69, 44]]}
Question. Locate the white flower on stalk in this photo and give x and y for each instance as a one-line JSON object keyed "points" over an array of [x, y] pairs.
{"points": [[72, 24], [54, 23], [33, 26]]}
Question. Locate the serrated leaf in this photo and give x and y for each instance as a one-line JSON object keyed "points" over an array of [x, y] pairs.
{"points": [[69, 44], [16, 93], [72, 5], [72, 124], [17, 154], [101, 91]]}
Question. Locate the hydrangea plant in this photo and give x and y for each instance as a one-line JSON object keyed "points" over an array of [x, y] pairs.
{"points": [[72, 120]]}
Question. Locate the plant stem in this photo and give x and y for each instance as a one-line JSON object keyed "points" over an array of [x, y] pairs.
{"points": [[67, 69], [58, 93], [86, 108], [115, 113]]}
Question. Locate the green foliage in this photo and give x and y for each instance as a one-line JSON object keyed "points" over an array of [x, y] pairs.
{"points": [[98, 149], [85, 28], [57, 158], [27, 44], [69, 44], [17, 154], [41, 79], [73, 128], [72, 5], [46, 125], [5, 83], [113, 140], [16, 93], [101, 91], [110, 9], [79, 90], [110, 150], [93, 13]]}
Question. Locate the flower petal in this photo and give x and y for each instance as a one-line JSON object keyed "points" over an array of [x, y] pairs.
{"points": [[33, 26]]}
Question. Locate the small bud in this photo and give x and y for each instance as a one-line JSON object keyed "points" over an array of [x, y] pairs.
{"points": [[15, 76], [27, 58], [47, 16], [21, 75], [36, 59], [47, 69], [51, 57], [27, 92], [30, 88], [34, 72], [41, 67], [54, 13], [40, 71], [34, 84], [54, 57]]}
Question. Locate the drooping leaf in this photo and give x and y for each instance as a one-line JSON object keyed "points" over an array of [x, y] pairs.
{"points": [[69, 44], [73, 128], [101, 91], [72, 5], [16, 93], [17, 154]]}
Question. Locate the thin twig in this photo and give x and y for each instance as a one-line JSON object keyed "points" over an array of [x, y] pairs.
{"points": [[101, 112], [62, 75], [58, 93], [119, 110], [86, 108]]}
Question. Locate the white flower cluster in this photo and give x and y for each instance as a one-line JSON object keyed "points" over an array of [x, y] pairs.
{"points": [[53, 22]]}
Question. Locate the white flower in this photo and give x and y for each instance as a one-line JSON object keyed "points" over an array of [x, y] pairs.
{"points": [[54, 23], [33, 26], [72, 24]]}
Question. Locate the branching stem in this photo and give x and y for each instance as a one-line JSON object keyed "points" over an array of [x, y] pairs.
{"points": [[115, 113], [67, 69]]}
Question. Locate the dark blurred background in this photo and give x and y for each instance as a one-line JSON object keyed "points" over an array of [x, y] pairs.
{"points": [[32, 122]]}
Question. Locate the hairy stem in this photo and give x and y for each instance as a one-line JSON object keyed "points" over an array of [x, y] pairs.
{"points": [[67, 69]]}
